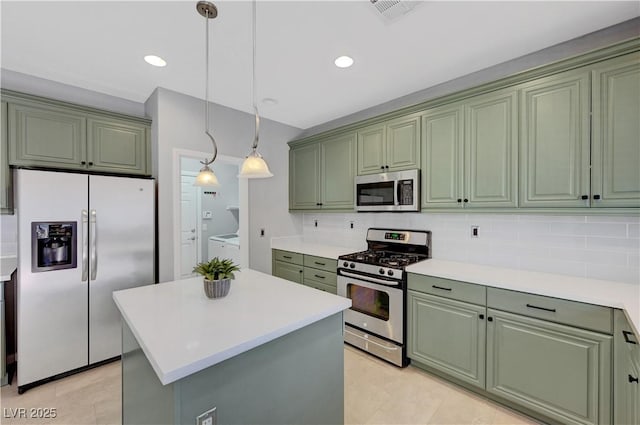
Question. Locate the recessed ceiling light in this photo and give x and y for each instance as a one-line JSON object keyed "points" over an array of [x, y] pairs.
{"points": [[343, 61], [155, 60], [269, 101]]}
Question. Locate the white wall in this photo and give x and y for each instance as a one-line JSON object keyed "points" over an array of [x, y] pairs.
{"points": [[179, 122], [597, 247]]}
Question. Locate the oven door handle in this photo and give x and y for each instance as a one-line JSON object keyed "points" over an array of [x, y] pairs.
{"points": [[394, 348], [369, 279]]}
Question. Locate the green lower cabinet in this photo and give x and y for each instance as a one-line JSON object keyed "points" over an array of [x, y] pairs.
{"points": [[332, 289], [447, 335], [561, 372], [626, 372], [288, 271]]}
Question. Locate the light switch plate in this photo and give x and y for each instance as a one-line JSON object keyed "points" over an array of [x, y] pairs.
{"points": [[210, 417]]}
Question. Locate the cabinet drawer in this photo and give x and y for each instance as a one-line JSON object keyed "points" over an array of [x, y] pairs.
{"points": [[287, 256], [587, 316], [321, 263], [447, 288], [327, 278], [332, 289]]}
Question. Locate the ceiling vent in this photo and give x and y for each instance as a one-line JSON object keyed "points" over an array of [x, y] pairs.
{"points": [[391, 10]]}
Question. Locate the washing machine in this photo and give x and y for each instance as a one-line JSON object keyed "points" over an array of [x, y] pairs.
{"points": [[225, 246]]}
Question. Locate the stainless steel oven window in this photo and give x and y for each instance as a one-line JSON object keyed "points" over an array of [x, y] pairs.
{"points": [[369, 301]]}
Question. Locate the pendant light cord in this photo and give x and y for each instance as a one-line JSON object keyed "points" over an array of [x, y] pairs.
{"points": [[206, 100], [253, 81]]}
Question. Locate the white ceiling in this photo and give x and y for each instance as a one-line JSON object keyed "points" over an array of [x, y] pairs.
{"points": [[100, 45]]}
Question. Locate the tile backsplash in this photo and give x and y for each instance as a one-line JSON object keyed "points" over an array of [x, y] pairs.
{"points": [[597, 247]]}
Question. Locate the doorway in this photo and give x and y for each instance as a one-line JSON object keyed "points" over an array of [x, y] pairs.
{"points": [[208, 222]]}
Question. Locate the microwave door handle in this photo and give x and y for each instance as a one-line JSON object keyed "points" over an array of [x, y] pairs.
{"points": [[396, 194], [85, 245]]}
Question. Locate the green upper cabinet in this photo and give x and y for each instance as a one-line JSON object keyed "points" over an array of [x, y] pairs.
{"points": [[321, 174], [41, 136], [371, 149], [45, 133], [470, 153], [337, 171], [491, 149], [390, 146], [616, 132], [117, 145], [554, 136], [304, 177], [6, 196], [443, 157]]}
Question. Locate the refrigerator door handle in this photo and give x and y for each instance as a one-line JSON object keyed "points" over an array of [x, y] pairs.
{"points": [[85, 245], [94, 248]]}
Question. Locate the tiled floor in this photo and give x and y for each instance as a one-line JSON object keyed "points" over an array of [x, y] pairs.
{"points": [[375, 393]]}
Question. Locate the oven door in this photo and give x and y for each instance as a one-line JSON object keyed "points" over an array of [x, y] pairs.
{"points": [[376, 304]]}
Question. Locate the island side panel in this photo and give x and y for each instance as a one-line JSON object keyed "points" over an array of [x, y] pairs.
{"points": [[144, 399], [295, 379]]}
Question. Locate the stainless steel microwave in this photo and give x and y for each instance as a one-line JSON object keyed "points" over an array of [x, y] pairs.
{"points": [[395, 191]]}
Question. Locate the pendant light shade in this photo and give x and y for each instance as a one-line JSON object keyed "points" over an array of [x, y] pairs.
{"points": [[254, 166], [206, 178]]}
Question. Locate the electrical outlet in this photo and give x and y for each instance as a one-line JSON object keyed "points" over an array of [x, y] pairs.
{"points": [[262, 233], [210, 417], [351, 224], [315, 223], [475, 231]]}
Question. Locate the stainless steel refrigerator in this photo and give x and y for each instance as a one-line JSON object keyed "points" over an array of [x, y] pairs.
{"points": [[80, 237]]}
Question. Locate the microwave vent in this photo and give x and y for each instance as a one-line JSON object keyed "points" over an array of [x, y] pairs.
{"points": [[391, 10]]}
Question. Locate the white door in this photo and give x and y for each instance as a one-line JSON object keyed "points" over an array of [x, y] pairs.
{"points": [[189, 238]]}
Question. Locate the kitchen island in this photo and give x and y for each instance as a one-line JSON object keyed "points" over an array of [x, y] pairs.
{"points": [[271, 352]]}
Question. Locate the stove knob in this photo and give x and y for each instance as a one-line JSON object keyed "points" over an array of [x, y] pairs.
{"points": [[381, 271], [390, 272], [345, 264], [352, 265]]}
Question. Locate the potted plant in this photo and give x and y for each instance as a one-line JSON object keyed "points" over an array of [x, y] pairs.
{"points": [[217, 275]]}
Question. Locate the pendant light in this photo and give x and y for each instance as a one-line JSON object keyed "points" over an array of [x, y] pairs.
{"points": [[254, 166], [206, 177]]}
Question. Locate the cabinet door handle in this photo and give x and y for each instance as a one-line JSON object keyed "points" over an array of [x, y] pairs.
{"points": [[386, 166], [466, 200], [481, 316], [287, 257], [319, 263], [596, 197], [626, 337], [83, 162], [552, 310], [459, 199], [382, 167], [90, 163], [490, 319], [442, 288], [632, 379], [318, 276], [584, 197]]}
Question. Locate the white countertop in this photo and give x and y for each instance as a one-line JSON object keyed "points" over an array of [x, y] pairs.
{"points": [[181, 331], [601, 292], [296, 244], [8, 265]]}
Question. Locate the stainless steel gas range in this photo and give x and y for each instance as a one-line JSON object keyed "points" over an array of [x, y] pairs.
{"points": [[376, 282]]}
